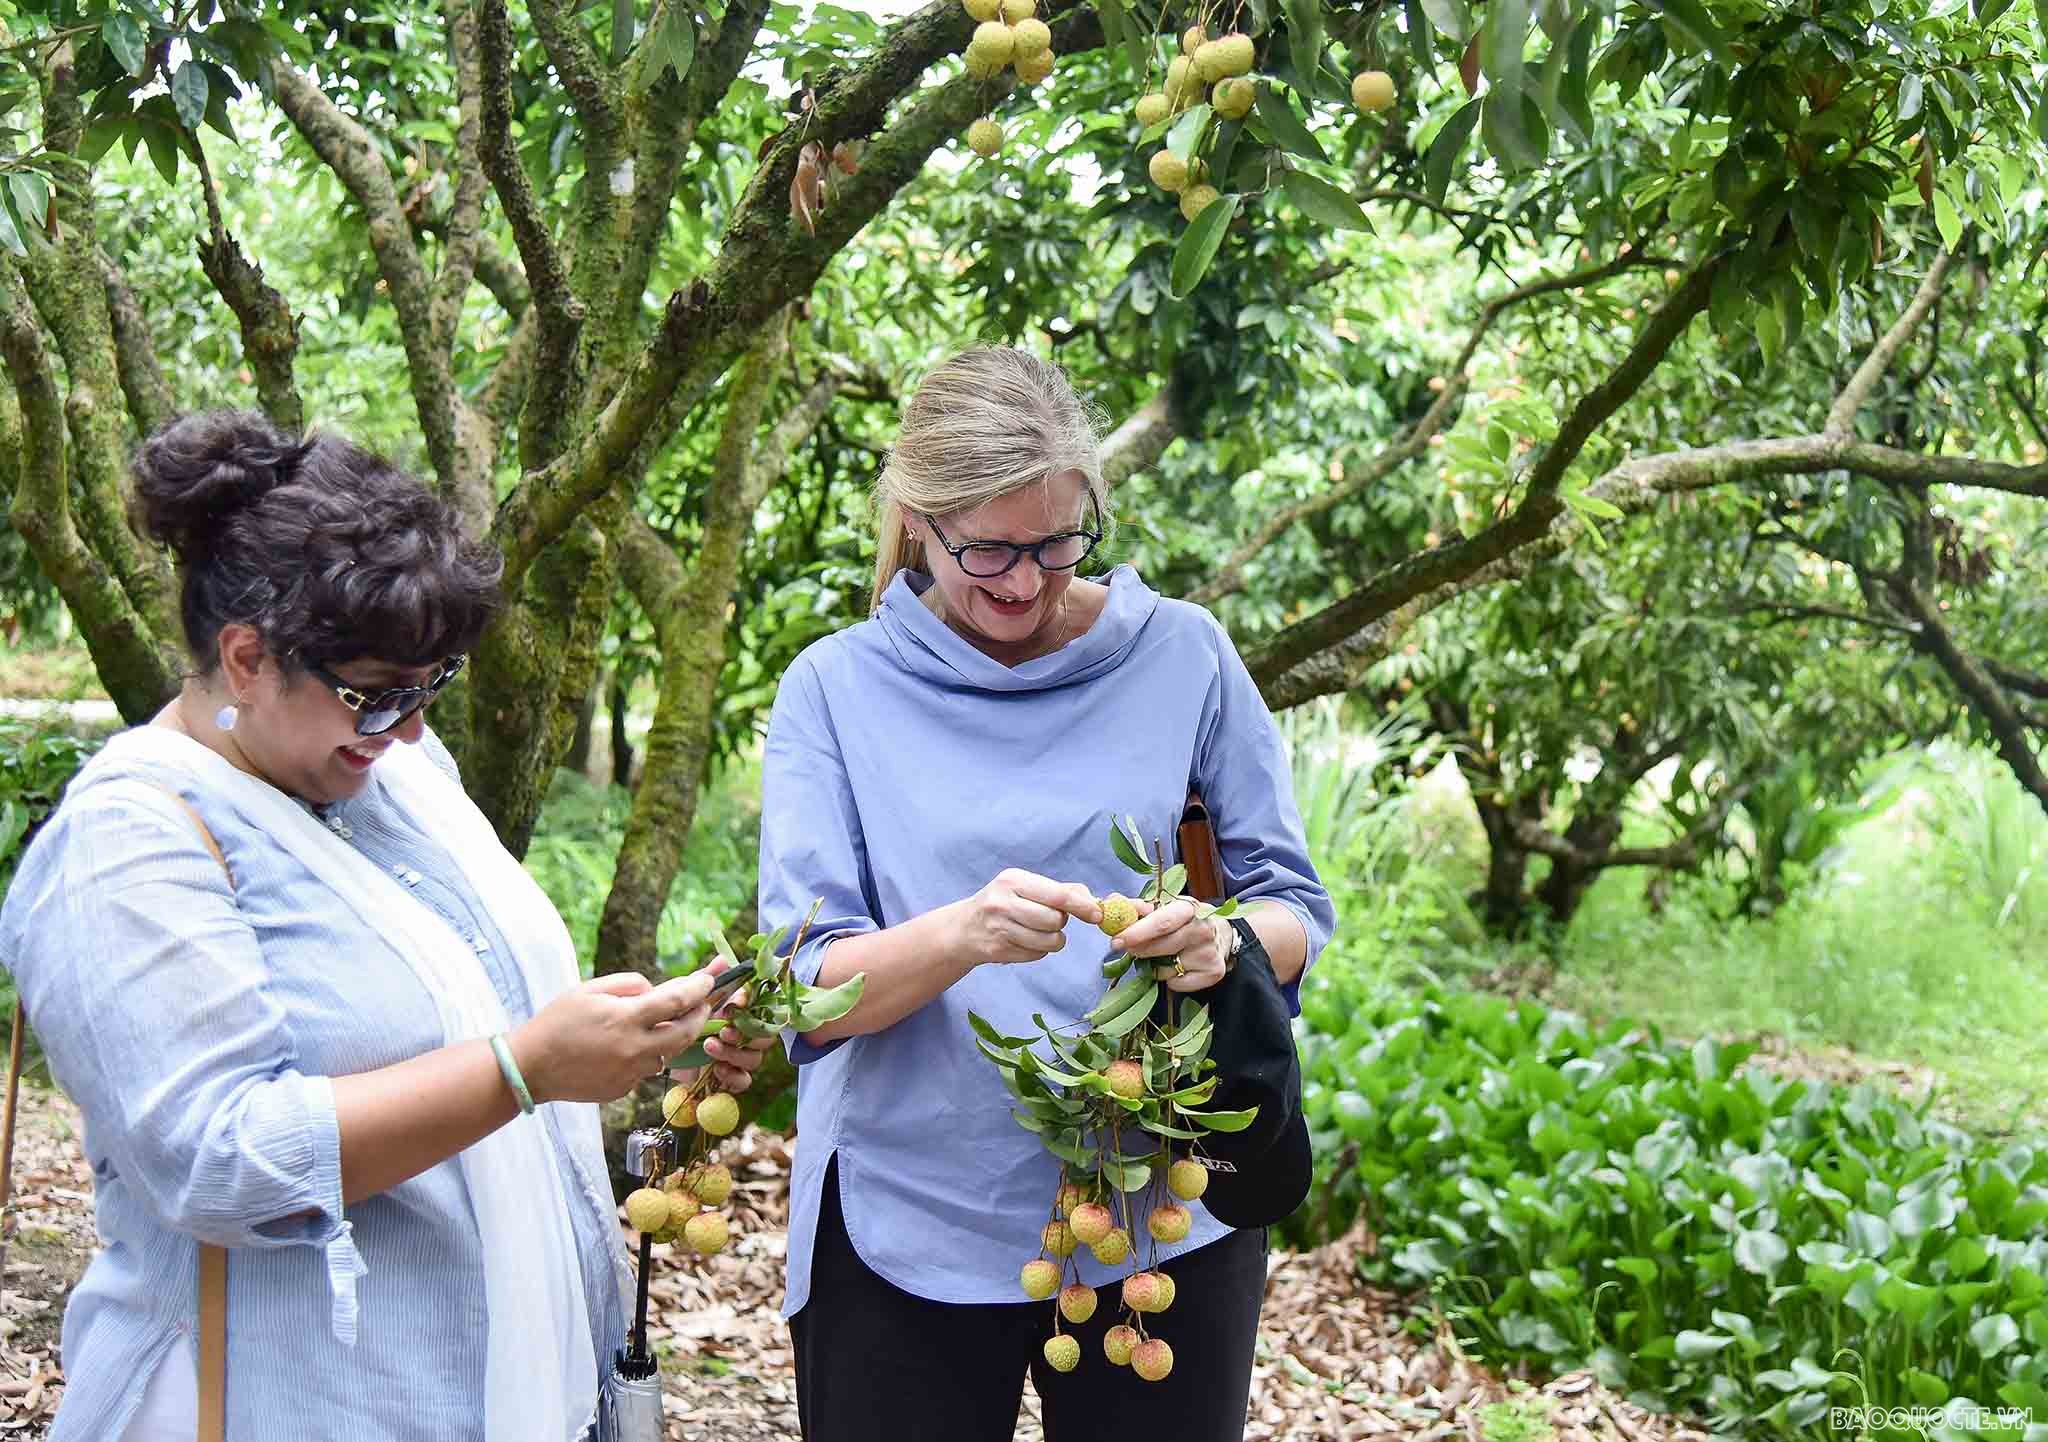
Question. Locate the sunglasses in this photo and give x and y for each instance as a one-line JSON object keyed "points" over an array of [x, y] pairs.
{"points": [[380, 711]]}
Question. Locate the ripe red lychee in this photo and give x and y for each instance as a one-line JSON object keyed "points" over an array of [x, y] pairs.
{"points": [[1126, 1078], [1091, 1222], [1117, 1343], [1062, 1353], [1077, 1302], [718, 1114], [1113, 1248], [1141, 1291], [1187, 1179], [1040, 1278], [1152, 1359], [1058, 1239], [1170, 1223], [1068, 1197]]}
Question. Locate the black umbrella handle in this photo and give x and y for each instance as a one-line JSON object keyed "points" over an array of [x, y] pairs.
{"points": [[639, 1360]]}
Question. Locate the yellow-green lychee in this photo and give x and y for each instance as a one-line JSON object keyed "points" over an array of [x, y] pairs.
{"points": [[1113, 1248], [1077, 1302], [1040, 1278], [1126, 1078], [1170, 173], [1091, 1222], [1192, 39], [647, 1209], [1372, 90], [1230, 55], [718, 1114], [1166, 1290], [1141, 1291], [713, 1185], [1034, 68], [1118, 910], [1183, 83], [985, 137], [679, 1108], [1187, 1179], [1152, 1359], [1196, 199], [990, 49], [1062, 1353], [1170, 1223], [1069, 1196], [1234, 97], [1058, 1239], [1018, 11], [1152, 109], [681, 1207], [983, 9], [1030, 37], [1117, 1344], [706, 1232]]}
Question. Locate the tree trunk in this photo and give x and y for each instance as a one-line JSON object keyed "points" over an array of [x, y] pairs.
{"points": [[577, 758], [1565, 888], [1503, 903]]}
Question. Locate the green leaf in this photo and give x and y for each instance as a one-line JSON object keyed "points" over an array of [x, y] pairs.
{"points": [[188, 93], [690, 1057], [1305, 40], [669, 44], [1761, 1252], [1690, 16], [1287, 128], [1911, 92], [126, 42], [31, 197], [1116, 966], [1127, 853], [814, 1006], [1451, 17], [1222, 1121], [1122, 998], [1695, 1346], [1443, 154], [1199, 245], [163, 148], [1946, 220], [1993, 1333], [1127, 1022], [1175, 881], [1321, 201], [1988, 11], [10, 238], [1186, 133], [724, 947]]}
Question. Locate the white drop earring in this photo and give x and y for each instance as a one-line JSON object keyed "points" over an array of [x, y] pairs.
{"points": [[227, 716]]}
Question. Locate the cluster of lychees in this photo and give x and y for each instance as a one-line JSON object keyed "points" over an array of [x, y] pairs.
{"points": [[1081, 1221], [1010, 36], [678, 1207]]}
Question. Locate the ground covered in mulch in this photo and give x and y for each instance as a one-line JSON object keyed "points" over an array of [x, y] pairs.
{"points": [[1337, 1359]]}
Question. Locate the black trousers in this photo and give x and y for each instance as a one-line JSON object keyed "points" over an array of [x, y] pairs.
{"points": [[874, 1361]]}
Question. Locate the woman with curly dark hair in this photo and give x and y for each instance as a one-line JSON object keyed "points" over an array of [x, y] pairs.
{"points": [[350, 1045]]}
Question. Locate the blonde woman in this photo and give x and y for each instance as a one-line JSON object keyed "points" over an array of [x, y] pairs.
{"points": [[940, 774]]}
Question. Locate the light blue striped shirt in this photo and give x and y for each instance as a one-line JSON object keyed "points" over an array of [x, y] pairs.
{"points": [[196, 1028], [903, 770]]}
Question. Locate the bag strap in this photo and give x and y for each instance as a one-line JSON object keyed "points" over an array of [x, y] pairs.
{"points": [[1199, 852], [213, 1261]]}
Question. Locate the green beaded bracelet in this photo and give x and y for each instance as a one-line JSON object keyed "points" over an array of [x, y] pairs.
{"points": [[502, 1049]]}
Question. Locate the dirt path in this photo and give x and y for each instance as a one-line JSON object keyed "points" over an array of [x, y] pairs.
{"points": [[1337, 1359]]}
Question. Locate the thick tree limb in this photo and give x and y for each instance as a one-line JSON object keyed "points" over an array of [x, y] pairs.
{"points": [[1679, 855], [143, 383], [270, 333], [1140, 441], [138, 668], [462, 237], [1842, 414]]}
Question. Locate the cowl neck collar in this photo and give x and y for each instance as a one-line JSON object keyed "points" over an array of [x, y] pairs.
{"points": [[931, 649]]}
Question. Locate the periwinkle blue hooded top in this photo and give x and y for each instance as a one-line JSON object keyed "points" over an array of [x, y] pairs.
{"points": [[904, 769]]}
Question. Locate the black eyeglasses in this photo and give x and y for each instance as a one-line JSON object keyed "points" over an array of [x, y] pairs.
{"points": [[1062, 552], [381, 711]]}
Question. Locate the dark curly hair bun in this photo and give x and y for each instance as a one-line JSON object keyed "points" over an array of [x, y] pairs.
{"points": [[329, 550]]}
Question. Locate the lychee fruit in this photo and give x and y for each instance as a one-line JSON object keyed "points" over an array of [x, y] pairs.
{"points": [[1062, 1353], [1112, 1248], [1372, 90], [1231, 55], [1170, 1223], [1192, 39], [1034, 68], [1152, 109], [983, 9], [706, 1232], [1077, 1302], [1040, 1278], [681, 1207], [990, 49], [1018, 11], [1117, 1344], [1196, 199], [1091, 1222], [1152, 1359], [1030, 37], [647, 1209], [679, 1108], [1166, 1290], [1234, 97], [1058, 1240], [1141, 1291], [714, 1184], [718, 1114], [1126, 1078], [1187, 1179], [1170, 173], [985, 137], [1068, 1197], [1183, 83], [1118, 910]]}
